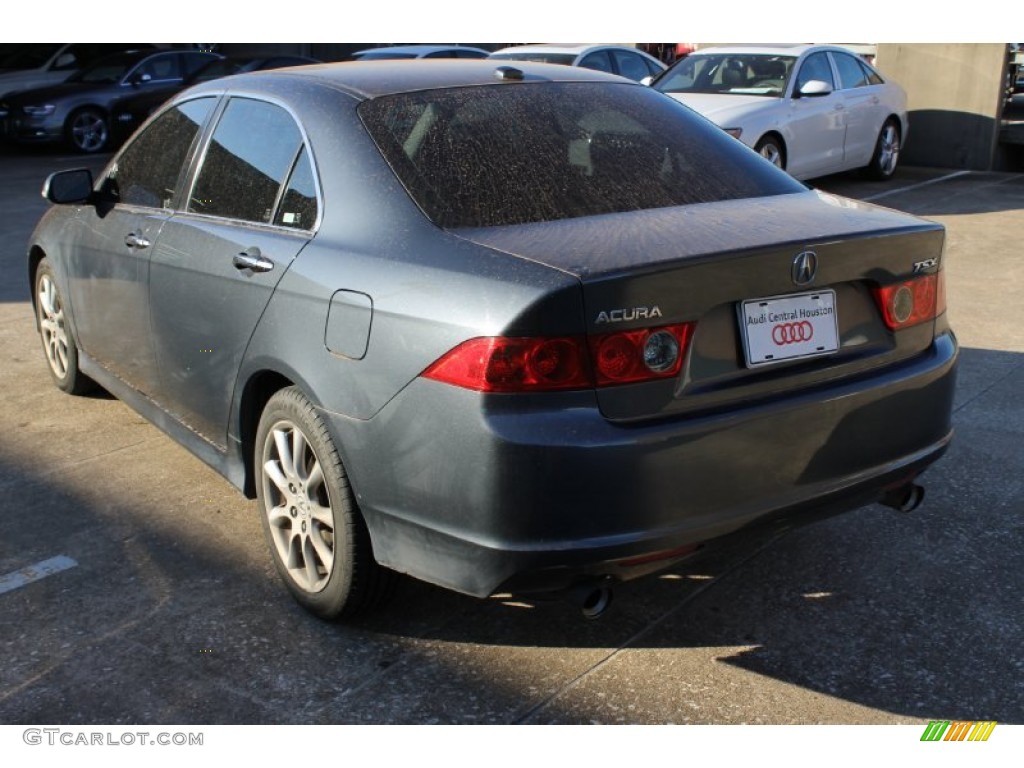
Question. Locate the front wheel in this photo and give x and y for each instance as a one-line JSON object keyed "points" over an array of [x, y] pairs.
{"points": [[58, 339], [887, 152], [87, 130], [316, 534], [770, 148]]}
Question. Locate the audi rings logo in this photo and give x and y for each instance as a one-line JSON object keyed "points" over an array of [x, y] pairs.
{"points": [[792, 333]]}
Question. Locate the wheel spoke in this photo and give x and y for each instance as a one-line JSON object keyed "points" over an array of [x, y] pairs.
{"points": [[284, 452], [323, 551], [273, 470], [298, 454], [315, 479], [322, 515], [312, 571], [279, 517]]}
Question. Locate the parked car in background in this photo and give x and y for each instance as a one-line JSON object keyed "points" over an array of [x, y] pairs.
{"points": [[130, 112], [37, 65], [77, 111], [502, 326], [617, 59], [421, 52], [810, 109]]}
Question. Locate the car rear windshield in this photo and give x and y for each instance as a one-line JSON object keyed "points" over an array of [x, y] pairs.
{"points": [[515, 153]]}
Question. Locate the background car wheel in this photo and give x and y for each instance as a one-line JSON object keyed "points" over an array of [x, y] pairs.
{"points": [[770, 148], [887, 152], [317, 536], [87, 130], [59, 343]]}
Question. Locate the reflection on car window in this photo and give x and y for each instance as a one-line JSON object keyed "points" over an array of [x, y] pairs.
{"points": [[630, 65], [252, 151], [147, 171], [816, 67], [598, 60], [487, 156], [298, 206]]}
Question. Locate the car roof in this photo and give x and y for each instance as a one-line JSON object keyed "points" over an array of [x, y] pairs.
{"points": [[573, 48], [772, 49], [416, 50], [385, 77]]}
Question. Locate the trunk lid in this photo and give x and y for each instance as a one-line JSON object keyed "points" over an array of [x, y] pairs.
{"points": [[699, 263]]}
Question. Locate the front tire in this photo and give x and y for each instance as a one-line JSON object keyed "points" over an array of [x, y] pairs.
{"points": [[88, 131], [771, 149], [55, 332], [316, 534], [887, 152]]}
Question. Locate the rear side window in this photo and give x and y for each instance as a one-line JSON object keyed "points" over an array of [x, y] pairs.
{"points": [[517, 153], [851, 73], [252, 152], [147, 172]]}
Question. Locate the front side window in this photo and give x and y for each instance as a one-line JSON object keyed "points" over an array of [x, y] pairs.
{"points": [[147, 171], [165, 67], [497, 155], [251, 153], [816, 67]]}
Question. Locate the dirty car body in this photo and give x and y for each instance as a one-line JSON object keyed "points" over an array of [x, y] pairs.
{"points": [[500, 328]]}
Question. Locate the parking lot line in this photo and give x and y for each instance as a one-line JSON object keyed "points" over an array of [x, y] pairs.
{"points": [[35, 572], [890, 192]]}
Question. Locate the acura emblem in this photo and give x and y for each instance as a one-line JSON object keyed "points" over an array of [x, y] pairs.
{"points": [[805, 266]]}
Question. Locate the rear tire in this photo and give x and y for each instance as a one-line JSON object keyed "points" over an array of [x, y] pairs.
{"points": [[316, 534], [887, 153]]}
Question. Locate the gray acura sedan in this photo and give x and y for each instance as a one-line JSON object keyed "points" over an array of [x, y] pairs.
{"points": [[518, 329]]}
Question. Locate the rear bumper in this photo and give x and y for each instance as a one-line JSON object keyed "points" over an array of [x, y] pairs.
{"points": [[488, 493]]}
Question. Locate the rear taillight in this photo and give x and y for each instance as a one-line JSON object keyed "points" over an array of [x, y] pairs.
{"points": [[537, 364], [631, 356], [912, 302]]}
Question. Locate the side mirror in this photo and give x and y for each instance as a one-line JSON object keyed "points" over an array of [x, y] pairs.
{"points": [[815, 88], [65, 61], [647, 80], [68, 187], [141, 78]]}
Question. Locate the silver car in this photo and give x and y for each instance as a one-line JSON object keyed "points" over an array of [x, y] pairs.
{"points": [[503, 327]]}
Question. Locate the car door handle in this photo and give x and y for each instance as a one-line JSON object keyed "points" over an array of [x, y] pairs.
{"points": [[253, 260], [134, 241]]}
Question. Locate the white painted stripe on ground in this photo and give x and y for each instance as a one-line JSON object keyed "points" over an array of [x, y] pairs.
{"points": [[888, 193], [35, 572]]}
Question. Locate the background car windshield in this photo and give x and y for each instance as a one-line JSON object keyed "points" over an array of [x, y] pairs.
{"points": [[510, 154], [107, 70], [752, 74]]}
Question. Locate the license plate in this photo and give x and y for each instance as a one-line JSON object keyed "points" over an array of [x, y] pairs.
{"points": [[785, 328]]}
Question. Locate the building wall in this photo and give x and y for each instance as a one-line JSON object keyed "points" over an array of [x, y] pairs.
{"points": [[955, 100]]}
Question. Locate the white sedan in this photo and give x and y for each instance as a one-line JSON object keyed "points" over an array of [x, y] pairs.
{"points": [[810, 109]]}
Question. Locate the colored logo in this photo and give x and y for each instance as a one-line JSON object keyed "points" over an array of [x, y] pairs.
{"points": [[958, 730], [792, 333]]}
